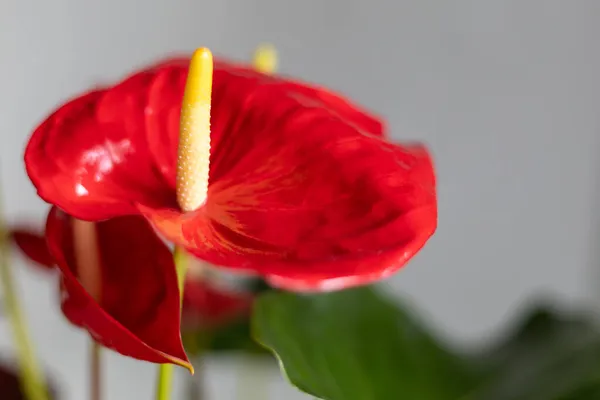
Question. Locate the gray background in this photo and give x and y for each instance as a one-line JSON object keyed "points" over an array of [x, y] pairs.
{"points": [[505, 92]]}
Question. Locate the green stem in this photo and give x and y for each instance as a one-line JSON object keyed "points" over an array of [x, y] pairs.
{"points": [[181, 266], [165, 382], [165, 371], [31, 376]]}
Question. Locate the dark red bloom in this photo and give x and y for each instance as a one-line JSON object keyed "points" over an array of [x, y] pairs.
{"points": [[138, 313], [139, 292], [11, 385], [304, 190]]}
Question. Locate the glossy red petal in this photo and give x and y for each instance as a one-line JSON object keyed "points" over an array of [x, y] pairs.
{"points": [[310, 95], [139, 310], [33, 245], [206, 305], [303, 189], [166, 93], [303, 196], [91, 158]]}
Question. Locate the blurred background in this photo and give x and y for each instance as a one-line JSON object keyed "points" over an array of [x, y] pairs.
{"points": [[505, 93]]}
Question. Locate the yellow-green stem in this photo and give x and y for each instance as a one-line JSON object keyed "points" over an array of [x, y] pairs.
{"points": [[181, 266], [165, 382], [32, 381], [165, 371], [95, 371]]}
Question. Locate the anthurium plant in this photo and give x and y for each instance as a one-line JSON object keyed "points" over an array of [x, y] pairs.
{"points": [[198, 167]]}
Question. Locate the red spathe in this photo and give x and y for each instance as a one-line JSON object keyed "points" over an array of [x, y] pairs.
{"points": [[304, 189]]}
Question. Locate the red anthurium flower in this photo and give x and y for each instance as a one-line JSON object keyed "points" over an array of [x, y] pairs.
{"points": [[123, 244], [138, 312], [304, 190]]}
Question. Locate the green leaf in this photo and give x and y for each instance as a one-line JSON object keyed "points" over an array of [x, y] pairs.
{"points": [[549, 356], [356, 344]]}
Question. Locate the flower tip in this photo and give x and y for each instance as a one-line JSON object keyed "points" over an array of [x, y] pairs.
{"points": [[180, 362], [189, 367], [265, 59], [202, 52], [199, 82]]}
